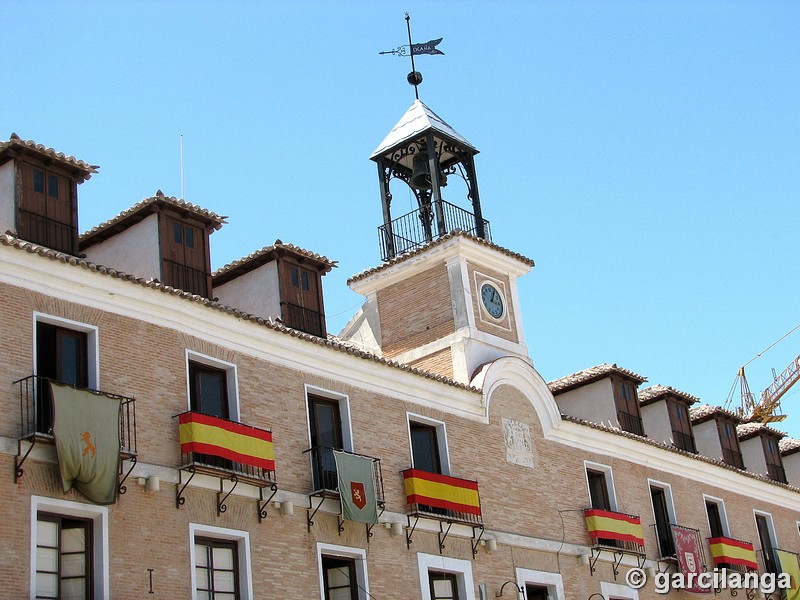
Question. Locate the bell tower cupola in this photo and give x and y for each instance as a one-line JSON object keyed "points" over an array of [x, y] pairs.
{"points": [[425, 152]]}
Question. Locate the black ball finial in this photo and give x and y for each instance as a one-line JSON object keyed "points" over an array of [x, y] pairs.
{"points": [[414, 78]]}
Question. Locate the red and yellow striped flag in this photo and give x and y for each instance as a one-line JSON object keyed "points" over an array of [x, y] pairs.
{"points": [[608, 525], [204, 434], [442, 491], [733, 552]]}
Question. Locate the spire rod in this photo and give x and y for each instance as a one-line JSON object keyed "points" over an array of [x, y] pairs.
{"points": [[413, 78]]}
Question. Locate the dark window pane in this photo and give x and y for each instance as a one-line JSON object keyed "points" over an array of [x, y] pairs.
{"points": [[189, 236], [38, 181], [424, 448], [714, 519], [535, 592], [52, 186], [208, 390], [295, 277], [305, 279], [339, 578], [177, 233], [663, 530], [598, 490]]}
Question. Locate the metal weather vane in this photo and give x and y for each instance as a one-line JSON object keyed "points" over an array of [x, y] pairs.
{"points": [[415, 77]]}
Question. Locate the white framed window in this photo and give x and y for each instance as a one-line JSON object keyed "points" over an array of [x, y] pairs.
{"points": [[427, 439], [342, 572], [69, 548], [616, 591], [540, 584], [717, 517], [212, 386], [443, 575], [329, 429], [663, 516], [220, 562], [600, 485], [73, 359], [767, 540]]}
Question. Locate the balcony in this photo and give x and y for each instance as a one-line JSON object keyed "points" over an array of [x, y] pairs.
{"points": [[185, 278], [325, 478], [36, 413], [416, 228], [630, 423], [442, 497], [304, 319], [615, 531], [776, 472], [47, 232], [733, 554], [684, 441], [733, 458]]}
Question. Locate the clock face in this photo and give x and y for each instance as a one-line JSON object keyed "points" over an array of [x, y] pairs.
{"points": [[492, 300]]}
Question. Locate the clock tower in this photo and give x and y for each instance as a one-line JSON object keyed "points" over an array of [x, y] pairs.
{"points": [[445, 298]]}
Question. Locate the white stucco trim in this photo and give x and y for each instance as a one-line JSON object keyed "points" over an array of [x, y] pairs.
{"points": [[553, 581], [616, 590], [357, 554], [242, 539], [441, 439], [231, 380], [92, 343], [435, 562]]}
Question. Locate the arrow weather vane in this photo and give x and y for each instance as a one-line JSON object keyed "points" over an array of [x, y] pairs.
{"points": [[415, 77]]}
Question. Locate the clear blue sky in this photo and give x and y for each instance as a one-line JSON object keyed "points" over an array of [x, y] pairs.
{"points": [[645, 154]]}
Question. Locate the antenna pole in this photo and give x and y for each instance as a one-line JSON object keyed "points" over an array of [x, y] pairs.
{"points": [[183, 192], [411, 51]]}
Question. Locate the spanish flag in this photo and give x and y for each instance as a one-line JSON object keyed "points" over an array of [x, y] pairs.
{"points": [[607, 525], [729, 551], [442, 491], [212, 436], [790, 565]]}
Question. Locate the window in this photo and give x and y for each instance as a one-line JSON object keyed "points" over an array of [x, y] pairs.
{"points": [[616, 591], [772, 455], [717, 519], [601, 487], [766, 537], [444, 586], [443, 578], [216, 569], [627, 404], [212, 386], [301, 299], [730, 443], [47, 212], [664, 514], [65, 351], [682, 435], [220, 563], [328, 420], [184, 257], [342, 572], [63, 557], [69, 549], [540, 585], [428, 439]]}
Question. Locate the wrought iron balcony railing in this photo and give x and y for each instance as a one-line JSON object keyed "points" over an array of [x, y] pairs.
{"points": [[419, 227], [776, 472], [684, 441], [615, 530], [304, 319], [630, 423], [183, 277], [730, 553], [36, 412], [325, 478], [47, 232], [442, 497], [732, 458]]}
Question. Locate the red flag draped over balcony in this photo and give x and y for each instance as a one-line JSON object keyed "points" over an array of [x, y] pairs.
{"points": [[442, 491], [608, 525], [212, 436], [730, 551]]}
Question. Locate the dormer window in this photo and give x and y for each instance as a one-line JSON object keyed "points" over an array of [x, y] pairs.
{"points": [[184, 256], [627, 404], [682, 435], [731, 454], [47, 212], [301, 298], [772, 454]]}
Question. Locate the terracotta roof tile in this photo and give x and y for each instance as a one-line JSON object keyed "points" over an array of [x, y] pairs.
{"points": [[589, 375], [255, 259], [705, 412], [789, 445], [330, 342], [143, 208], [745, 431], [30, 147], [655, 392]]}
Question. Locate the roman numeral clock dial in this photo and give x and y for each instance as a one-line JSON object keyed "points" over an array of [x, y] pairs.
{"points": [[492, 300]]}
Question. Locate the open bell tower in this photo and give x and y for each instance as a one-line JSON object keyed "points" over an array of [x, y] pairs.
{"points": [[424, 152]]}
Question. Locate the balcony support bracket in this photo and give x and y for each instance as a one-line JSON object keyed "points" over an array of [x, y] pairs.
{"points": [[18, 470], [310, 506], [340, 523], [180, 499], [221, 506], [122, 487], [369, 526], [410, 530], [262, 504], [443, 533], [476, 540]]}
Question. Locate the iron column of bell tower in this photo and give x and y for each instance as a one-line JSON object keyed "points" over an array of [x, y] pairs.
{"points": [[423, 151]]}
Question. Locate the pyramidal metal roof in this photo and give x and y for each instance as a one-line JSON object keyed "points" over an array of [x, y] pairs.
{"points": [[417, 120]]}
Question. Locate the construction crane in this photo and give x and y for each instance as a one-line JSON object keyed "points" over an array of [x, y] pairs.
{"points": [[767, 408]]}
